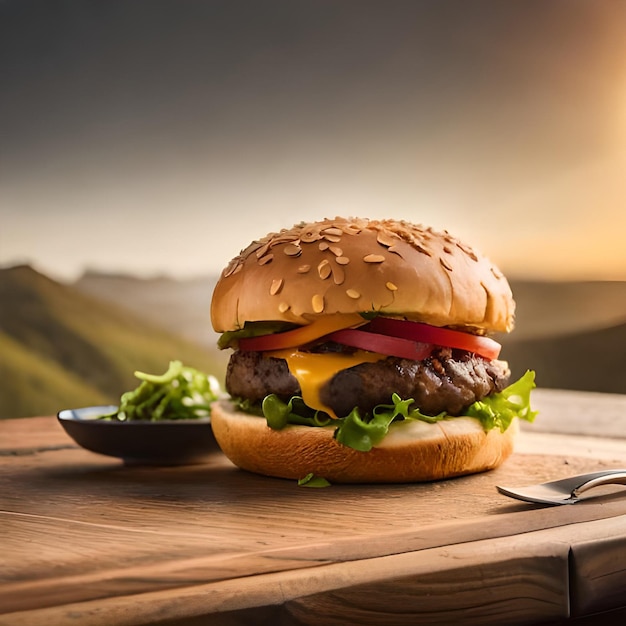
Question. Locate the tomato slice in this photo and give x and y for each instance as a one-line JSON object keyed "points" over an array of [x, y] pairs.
{"points": [[385, 335], [382, 344], [417, 331], [301, 335]]}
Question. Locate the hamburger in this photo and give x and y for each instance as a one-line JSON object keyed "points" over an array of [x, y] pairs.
{"points": [[363, 352]]}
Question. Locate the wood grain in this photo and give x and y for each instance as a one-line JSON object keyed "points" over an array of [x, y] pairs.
{"points": [[523, 578], [598, 577], [83, 535]]}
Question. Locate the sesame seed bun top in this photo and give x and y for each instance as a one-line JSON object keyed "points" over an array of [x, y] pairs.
{"points": [[356, 265]]}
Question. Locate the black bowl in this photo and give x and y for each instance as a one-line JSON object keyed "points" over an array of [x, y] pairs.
{"points": [[175, 442]]}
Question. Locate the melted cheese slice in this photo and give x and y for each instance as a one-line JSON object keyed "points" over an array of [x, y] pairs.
{"points": [[313, 371]]}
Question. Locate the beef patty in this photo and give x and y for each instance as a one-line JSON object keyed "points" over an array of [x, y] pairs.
{"points": [[449, 380]]}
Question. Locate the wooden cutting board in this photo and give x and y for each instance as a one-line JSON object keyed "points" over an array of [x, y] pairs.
{"points": [[83, 535]]}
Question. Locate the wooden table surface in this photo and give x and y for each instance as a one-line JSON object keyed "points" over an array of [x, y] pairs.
{"points": [[87, 540]]}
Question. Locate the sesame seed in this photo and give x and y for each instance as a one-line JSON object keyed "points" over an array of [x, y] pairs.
{"points": [[353, 293], [324, 269], [391, 286], [323, 245], [317, 301], [470, 253], [445, 264], [385, 239], [283, 307], [277, 285], [266, 259], [230, 269], [338, 274], [333, 231], [292, 250], [336, 250], [262, 251], [332, 238], [310, 237], [303, 269], [373, 258], [342, 260]]}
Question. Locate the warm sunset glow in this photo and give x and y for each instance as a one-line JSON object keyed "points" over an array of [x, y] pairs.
{"points": [[504, 124]]}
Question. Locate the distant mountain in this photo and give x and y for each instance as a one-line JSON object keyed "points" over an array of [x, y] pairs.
{"points": [[589, 360], [544, 308], [551, 308], [61, 347], [74, 345], [572, 333], [181, 306], [567, 331]]}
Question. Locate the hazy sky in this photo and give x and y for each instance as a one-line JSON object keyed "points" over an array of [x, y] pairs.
{"points": [[153, 136]]}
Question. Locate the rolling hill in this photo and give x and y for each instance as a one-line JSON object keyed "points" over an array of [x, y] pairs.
{"points": [[61, 347], [572, 333], [550, 308], [180, 306], [593, 360], [77, 344]]}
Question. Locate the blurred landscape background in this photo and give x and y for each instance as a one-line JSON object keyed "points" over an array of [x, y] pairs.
{"points": [[77, 344], [144, 143]]}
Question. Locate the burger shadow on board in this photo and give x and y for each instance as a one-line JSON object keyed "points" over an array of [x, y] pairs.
{"points": [[207, 481], [206, 484], [366, 346]]}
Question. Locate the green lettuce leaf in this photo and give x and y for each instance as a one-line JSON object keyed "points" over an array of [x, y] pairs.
{"points": [[251, 329], [311, 480], [498, 410], [363, 432], [278, 413], [179, 393]]}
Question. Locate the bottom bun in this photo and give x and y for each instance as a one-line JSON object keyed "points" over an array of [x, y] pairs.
{"points": [[413, 451]]}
